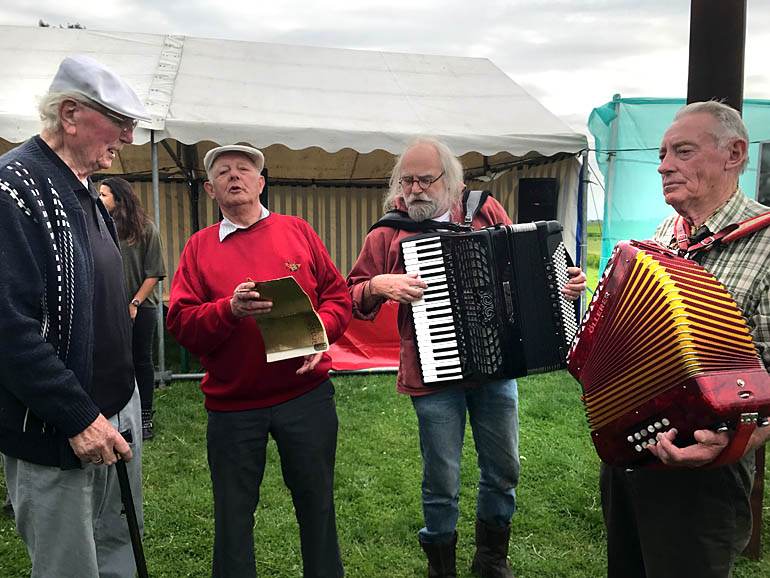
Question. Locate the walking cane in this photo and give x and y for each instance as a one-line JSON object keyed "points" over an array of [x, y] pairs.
{"points": [[128, 505]]}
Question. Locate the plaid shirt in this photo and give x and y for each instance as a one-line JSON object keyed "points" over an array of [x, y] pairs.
{"points": [[742, 266]]}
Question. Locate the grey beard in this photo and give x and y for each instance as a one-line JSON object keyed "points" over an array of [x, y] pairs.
{"points": [[422, 211]]}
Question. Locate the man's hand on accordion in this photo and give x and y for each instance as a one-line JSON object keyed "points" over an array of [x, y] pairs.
{"points": [[708, 446], [576, 283], [403, 288]]}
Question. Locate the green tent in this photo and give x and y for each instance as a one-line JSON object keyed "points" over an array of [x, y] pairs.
{"points": [[628, 133]]}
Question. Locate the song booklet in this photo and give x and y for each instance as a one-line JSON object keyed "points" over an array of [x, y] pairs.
{"points": [[292, 328]]}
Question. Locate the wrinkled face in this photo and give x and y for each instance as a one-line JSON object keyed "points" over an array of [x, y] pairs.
{"points": [[99, 139], [108, 199], [235, 182], [422, 162], [696, 172]]}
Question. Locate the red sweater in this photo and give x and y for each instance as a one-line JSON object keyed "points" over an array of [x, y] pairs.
{"points": [[380, 254], [232, 350]]}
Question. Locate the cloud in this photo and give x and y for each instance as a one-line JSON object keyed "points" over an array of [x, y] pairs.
{"points": [[570, 54]]}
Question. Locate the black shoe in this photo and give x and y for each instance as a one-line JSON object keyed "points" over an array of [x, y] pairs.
{"points": [[8, 509]]}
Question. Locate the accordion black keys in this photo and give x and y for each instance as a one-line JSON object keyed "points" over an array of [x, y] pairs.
{"points": [[493, 308]]}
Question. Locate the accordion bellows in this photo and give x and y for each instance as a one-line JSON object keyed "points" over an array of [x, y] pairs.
{"points": [[663, 345]]}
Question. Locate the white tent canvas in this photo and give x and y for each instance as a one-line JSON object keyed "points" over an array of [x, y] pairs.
{"points": [[321, 115], [329, 121], [228, 91]]}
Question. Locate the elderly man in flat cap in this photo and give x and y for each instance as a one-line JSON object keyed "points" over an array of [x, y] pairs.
{"points": [[67, 388], [212, 310]]}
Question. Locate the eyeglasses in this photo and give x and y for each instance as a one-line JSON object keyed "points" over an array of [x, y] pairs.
{"points": [[125, 124], [423, 181]]}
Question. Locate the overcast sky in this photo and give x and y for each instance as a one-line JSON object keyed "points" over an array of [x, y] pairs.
{"points": [[572, 55]]}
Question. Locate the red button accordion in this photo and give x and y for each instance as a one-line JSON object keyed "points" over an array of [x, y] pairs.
{"points": [[663, 345]]}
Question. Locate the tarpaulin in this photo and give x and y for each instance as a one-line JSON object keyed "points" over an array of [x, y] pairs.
{"points": [[369, 344], [628, 132]]}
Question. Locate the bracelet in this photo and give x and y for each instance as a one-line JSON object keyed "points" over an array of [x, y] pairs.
{"points": [[135, 302]]}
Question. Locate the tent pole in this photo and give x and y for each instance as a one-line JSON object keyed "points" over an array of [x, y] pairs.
{"points": [[585, 181], [160, 319], [609, 181]]}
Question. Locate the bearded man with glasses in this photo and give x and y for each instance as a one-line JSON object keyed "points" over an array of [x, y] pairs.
{"points": [[427, 183], [67, 383]]}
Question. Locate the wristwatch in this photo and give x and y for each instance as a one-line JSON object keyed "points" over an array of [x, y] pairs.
{"points": [[136, 302]]}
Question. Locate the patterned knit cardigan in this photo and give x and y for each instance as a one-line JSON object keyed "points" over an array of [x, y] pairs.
{"points": [[46, 292]]}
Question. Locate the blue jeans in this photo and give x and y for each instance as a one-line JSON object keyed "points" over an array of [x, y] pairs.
{"points": [[493, 411]]}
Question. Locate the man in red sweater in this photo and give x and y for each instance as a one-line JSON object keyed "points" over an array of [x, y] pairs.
{"points": [[212, 311], [427, 184]]}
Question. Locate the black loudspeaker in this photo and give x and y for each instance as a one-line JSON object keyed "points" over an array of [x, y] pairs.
{"points": [[537, 200], [763, 179], [264, 196]]}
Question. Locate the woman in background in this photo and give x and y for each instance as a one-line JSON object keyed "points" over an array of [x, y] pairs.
{"points": [[143, 267]]}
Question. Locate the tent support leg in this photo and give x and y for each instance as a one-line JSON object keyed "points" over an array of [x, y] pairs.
{"points": [[161, 376]]}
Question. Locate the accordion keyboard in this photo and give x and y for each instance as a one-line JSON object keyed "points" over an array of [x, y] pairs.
{"points": [[434, 325]]}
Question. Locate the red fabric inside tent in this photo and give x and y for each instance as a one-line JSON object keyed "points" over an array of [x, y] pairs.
{"points": [[368, 344]]}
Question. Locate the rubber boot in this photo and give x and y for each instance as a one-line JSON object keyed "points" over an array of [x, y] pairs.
{"points": [[491, 558], [441, 558]]}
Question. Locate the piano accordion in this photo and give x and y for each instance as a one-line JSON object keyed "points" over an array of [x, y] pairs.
{"points": [[663, 345], [493, 308]]}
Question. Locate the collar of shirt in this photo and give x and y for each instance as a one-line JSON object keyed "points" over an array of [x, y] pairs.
{"points": [[443, 218], [725, 215], [227, 227]]}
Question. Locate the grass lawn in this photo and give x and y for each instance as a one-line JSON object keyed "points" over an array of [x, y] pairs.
{"points": [[594, 237], [557, 530]]}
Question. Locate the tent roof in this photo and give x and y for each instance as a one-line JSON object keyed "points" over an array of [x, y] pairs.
{"points": [[227, 91]]}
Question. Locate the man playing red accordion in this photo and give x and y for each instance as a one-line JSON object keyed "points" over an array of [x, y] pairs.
{"points": [[688, 520]]}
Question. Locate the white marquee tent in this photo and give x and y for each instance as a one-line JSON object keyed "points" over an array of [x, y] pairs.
{"points": [[320, 114], [227, 91], [324, 117]]}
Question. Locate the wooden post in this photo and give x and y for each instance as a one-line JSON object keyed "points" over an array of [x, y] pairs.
{"points": [[717, 43]]}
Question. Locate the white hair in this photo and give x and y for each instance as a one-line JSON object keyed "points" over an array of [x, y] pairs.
{"points": [[453, 172], [731, 126], [49, 105]]}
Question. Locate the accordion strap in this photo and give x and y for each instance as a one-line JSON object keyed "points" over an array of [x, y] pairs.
{"points": [[400, 220], [737, 446], [748, 227], [472, 202], [730, 233]]}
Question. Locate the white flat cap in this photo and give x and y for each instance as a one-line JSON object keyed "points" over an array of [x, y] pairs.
{"points": [[93, 80], [255, 154]]}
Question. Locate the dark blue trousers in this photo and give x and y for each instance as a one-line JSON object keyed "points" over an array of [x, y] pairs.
{"points": [[675, 523], [142, 335], [305, 432]]}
